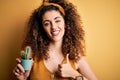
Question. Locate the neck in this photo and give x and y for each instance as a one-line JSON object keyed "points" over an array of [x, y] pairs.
{"points": [[56, 46]]}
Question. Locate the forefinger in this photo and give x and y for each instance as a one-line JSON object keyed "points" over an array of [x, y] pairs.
{"points": [[20, 68], [18, 60]]}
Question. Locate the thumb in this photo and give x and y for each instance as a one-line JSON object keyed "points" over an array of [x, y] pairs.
{"points": [[27, 73], [67, 58]]}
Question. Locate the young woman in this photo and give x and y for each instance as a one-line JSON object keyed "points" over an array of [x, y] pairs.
{"points": [[57, 41]]}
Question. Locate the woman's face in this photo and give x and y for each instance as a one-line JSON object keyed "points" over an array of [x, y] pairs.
{"points": [[54, 25]]}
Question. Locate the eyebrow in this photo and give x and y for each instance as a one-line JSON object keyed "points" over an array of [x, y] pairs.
{"points": [[57, 17], [54, 19]]}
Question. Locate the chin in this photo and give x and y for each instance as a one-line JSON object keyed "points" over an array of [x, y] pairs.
{"points": [[56, 39]]}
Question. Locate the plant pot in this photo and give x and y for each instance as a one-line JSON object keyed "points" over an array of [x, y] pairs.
{"points": [[27, 64]]}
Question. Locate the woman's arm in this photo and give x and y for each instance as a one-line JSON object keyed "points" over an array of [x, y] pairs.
{"points": [[85, 70]]}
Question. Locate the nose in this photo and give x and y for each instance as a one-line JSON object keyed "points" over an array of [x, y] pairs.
{"points": [[53, 26]]}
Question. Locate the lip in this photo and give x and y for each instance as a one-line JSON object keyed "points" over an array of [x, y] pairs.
{"points": [[55, 33]]}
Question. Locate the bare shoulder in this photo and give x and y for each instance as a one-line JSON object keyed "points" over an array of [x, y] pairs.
{"points": [[81, 62], [84, 68]]}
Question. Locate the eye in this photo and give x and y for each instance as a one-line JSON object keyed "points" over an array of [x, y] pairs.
{"points": [[46, 24], [57, 21]]}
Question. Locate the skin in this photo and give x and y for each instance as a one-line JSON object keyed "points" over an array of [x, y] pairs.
{"points": [[54, 26]]}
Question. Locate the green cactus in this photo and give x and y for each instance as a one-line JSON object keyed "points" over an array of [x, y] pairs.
{"points": [[26, 54]]}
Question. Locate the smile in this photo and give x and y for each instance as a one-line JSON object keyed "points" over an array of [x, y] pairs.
{"points": [[55, 33]]}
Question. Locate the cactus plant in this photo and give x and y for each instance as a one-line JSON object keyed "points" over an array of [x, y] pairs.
{"points": [[26, 54]]}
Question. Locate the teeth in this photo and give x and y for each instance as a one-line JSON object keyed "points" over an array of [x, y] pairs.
{"points": [[54, 33]]}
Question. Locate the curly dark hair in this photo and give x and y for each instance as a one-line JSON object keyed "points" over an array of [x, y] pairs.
{"points": [[73, 39]]}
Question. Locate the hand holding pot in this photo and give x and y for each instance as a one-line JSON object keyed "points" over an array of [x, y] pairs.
{"points": [[24, 64]]}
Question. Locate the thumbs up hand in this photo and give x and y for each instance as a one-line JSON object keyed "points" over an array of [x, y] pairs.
{"points": [[66, 70]]}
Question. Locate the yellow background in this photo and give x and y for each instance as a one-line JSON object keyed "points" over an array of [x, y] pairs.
{"points": [[101, 20]]}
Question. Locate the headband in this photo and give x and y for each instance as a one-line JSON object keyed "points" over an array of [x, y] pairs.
{"points": [[56, 5]]}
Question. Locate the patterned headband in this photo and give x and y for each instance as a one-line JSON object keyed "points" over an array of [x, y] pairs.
{"points": [[56, 5]]}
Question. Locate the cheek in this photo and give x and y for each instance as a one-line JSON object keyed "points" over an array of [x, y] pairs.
{"points": [[47, 30], [64, 27]]}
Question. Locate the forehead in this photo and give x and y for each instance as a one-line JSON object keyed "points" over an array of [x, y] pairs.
{"points": [[51, 14]]}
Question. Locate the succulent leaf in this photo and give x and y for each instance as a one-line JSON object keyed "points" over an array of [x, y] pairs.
{"points": [[26, 54], [28, 51]]}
